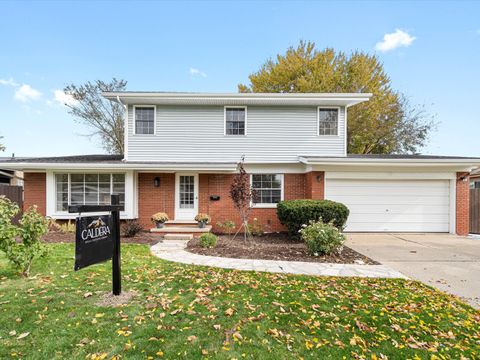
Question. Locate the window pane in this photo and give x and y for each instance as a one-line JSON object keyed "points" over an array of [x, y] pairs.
{"points": [[328, 121], [118, 177], [144, 120], [76, 178], [235, 121], [268, 188]]}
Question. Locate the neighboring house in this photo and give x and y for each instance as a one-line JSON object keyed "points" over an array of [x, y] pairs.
{"points": [[182, 149], [475, 179], [10, 177]]}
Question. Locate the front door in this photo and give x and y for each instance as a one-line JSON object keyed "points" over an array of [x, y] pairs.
{"points": [[186, 196]]}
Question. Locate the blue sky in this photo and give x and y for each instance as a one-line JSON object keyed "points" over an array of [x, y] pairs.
{"points": [[212, 46]]}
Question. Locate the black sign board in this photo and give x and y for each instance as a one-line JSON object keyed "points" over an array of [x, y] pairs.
{"points": [[98, 238], [93, 241]]}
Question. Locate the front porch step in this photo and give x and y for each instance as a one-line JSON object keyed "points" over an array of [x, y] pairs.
{"points": [[181, 222], [182, 229], [176, 237]]}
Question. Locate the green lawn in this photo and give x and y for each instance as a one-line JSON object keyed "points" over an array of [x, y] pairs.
{"points": [[197, 312]]}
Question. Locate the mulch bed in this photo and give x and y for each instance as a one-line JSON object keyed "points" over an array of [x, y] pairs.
{"points": [[143, 237], [276, 246]]}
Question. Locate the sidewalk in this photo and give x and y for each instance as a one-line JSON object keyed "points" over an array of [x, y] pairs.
{"points": [[175, 251]]}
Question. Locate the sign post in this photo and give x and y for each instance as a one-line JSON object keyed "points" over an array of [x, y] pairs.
{"points": [[116, 271], [98, 238]]}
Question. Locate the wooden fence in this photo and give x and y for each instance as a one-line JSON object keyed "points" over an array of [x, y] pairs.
{"points": [[14, 193], [474, 211]]}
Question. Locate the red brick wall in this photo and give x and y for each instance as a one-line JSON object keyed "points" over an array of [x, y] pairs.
{"points": [[153, 199], [223, 209], [34, 191], [315, 185], [462, 204]]}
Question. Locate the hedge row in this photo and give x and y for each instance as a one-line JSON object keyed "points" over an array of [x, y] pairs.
{"points": [[295, 213]]}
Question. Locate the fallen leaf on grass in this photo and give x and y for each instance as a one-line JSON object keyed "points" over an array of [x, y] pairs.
{"points": [[229, 312], [23, 335], [192, 338]]}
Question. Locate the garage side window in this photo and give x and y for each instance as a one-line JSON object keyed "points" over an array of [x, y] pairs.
{"points": [[327, 121], [88, 189]]}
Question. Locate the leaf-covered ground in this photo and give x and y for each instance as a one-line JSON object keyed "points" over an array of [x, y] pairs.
{"points": [[196, 312]]}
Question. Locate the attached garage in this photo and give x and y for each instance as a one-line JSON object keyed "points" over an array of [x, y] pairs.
{"points": [[395, 205]]}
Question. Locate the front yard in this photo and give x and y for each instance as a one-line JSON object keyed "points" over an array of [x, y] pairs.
{"points": [[196, 312]]}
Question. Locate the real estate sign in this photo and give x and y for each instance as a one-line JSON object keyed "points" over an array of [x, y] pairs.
{"points": [[93, 241]]}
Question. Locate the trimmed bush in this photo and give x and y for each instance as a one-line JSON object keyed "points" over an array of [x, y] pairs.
{"points": [[295, 213], [321, 238], [131, 228], [207, 240]]}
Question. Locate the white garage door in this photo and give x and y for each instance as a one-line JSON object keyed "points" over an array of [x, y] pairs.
{"points": [[393, 205]]}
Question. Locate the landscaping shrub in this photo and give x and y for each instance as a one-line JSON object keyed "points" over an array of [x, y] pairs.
{"points": [[255, 228], [227, 227], [207, 240], [31, 227], [131, 228], [321, 238], [295, 213]]}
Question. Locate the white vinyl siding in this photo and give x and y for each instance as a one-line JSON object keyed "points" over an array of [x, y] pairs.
{"points": [[197, 133], [393, 205]]}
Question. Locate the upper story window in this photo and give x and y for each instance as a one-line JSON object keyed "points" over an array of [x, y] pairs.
{"points": [[268, 189], [235, 120], [144, 119], [87, 189], [327, 121]]}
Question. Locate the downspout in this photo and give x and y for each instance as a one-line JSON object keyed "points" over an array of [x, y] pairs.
{"points": [[125, 130]]}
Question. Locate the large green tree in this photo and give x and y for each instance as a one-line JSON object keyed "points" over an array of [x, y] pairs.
{"points": [[105, 118], [387, 124]]}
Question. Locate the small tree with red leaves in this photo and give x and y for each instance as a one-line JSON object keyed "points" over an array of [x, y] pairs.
{"points": [[242, 195]]}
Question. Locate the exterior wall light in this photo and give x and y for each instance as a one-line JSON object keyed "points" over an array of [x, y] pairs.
{"points": [[319, 178], [156, 181]]}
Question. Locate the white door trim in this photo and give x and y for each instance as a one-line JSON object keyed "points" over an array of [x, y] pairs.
{"points": [[185, 214]]}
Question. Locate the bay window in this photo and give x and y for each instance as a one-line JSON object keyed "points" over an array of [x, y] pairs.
{"points": [[87, 189]]}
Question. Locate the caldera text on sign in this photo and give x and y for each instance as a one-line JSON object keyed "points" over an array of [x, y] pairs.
{"points": [[96, 230]]}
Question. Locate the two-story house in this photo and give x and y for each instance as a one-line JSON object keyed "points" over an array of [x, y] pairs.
{"points": [[182, 149]]}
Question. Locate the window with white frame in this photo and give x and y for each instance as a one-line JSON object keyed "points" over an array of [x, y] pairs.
{"points": [[267, 188], [327, 121], [235, 120], [88, 189], [144, 119]]}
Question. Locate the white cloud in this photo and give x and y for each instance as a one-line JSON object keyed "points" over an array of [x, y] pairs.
{"points": [[26, 93], [63, 98], [197, 72], [395, 40], [9, 82]]}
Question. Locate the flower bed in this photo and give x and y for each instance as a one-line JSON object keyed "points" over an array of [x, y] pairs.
{"points": [[274, 247]]}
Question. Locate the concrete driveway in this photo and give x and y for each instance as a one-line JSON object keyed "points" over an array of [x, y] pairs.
{"points": [[448, 262]]}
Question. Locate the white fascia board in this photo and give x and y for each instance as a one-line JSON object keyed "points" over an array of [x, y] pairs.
{"points": [[345, 99], [467, 164], [120, 166]]}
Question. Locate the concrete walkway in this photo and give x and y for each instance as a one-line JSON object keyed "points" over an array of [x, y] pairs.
{"points": [[448, 262], [175, 251]]}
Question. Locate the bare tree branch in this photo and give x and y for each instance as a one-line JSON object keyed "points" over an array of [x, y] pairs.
{"points": [[104, 117]]}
